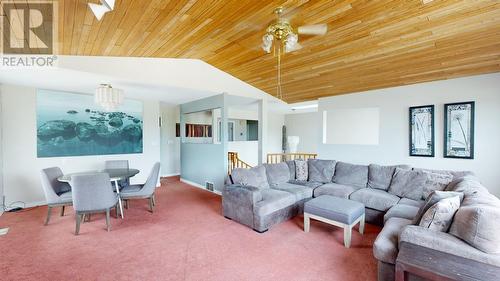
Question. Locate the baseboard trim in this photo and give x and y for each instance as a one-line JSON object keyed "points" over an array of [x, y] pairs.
{"points": [[200, 186], [170, 175], [26, 205]]}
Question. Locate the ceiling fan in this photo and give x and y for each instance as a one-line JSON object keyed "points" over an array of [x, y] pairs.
{"points": [[285, 38], [104, 7]]}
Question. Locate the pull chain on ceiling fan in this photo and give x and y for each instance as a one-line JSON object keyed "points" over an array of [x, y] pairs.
{"points": [[282, 36]]}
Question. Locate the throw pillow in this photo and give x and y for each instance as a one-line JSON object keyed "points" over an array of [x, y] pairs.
{"points": [[440, 215], [255, 176], [435, 182], [433, 198], [301, 171], [408, 183], [478, 226], [321, 170]]}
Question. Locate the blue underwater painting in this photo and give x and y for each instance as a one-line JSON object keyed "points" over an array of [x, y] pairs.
{"points": [[71, 124]]}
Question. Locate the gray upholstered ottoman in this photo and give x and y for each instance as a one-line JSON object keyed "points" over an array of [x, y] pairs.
{"points": [[336, 211]]}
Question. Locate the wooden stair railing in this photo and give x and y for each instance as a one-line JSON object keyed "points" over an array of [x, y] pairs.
{"points": [[273, 158], [235, 162]]}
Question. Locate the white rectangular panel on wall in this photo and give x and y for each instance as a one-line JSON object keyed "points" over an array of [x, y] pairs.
{"points": [[359, 126]]}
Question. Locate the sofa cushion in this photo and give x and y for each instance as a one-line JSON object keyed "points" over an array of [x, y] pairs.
{"points": [[301, 170], [375, 198], [480, 198], [272, 201], [385, 247], [350, 174], [435, 182], [255, 176], [408, 183], [334, 189], [435, 197], [454, 174], [321, 170], [467, 185], [299, 191], [277, 173], [380, 177], [478, 225], [411, 202], [291, 168], [401, 211], [440, 215], [310, 184]]}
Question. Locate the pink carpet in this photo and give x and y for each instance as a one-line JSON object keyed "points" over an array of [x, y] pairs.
{"points": [[186, 238]]}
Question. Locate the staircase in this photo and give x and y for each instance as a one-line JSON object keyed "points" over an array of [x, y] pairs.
{"points": [[235, 162]]}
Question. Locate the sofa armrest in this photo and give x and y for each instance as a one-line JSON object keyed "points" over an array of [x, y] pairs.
{"points": [[445, 242], [238, 202], [245, 194]]}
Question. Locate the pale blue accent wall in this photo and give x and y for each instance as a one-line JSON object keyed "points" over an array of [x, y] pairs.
{"points": [[205, 162]]}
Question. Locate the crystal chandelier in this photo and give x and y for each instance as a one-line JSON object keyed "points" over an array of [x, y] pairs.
{"points": [[108, 97]]}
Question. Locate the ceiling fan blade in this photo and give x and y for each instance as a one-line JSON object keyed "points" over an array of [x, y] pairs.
{"points": [[109, 3], [314, 29], [98, 10]]}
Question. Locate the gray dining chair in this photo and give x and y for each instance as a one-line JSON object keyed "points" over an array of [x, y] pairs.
{"points": [[92, 193], [118, 164], [57, 194], [144, 191]]}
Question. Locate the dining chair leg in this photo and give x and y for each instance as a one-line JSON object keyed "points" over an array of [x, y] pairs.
{"points": [[116, 210], [62, 211], [107, 220], [126, 204], [78, 220], [87, 216], [154, 200], [151, 204], [49, 210]]}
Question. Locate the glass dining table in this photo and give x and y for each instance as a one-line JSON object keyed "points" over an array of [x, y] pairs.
{"points": [[115, 175]]}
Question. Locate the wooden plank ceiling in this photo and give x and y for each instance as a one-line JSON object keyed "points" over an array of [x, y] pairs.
{"points": [[370, 44]]}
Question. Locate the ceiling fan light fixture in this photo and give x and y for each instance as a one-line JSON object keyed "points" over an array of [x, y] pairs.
{"points": [[267, 42]]}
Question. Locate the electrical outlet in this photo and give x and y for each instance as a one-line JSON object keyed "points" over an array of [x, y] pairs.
{"points": [[209, 186]]}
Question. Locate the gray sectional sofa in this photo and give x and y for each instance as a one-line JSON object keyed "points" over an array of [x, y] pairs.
{"points": [[268, 194]]}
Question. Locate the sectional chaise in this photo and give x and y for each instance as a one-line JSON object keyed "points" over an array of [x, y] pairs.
{"points": [[393, 196]]}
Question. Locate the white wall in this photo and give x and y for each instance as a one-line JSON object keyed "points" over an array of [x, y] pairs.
{"points": [[170, 144], [394, 104], [308, 127], [21, 165], [248, 150], [275, 122]]}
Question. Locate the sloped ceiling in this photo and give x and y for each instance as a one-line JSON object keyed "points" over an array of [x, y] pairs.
{"points": [[370, 44]]}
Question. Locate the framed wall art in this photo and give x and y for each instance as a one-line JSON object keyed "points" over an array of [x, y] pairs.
{"points": [[422, 131], [459, 130]]}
